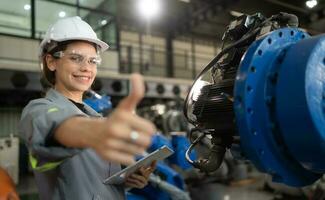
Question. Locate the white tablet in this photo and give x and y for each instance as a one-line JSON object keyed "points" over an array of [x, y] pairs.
{"points": [[159, 154]]}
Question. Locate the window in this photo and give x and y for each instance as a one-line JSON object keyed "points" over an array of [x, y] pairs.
{"points": [[15, 17], [103, 25], [103, 5], [68, 1]]}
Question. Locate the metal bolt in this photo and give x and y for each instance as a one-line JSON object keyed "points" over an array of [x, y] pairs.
{"points": [[273, 77], [281, 56]]}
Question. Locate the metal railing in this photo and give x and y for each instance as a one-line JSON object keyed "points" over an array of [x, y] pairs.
{"points": [[152, 62]]}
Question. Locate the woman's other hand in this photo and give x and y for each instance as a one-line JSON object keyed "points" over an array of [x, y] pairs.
{"points": [[140, 178]]}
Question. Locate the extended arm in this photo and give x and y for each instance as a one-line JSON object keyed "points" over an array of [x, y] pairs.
{"points": [[110, 137]]}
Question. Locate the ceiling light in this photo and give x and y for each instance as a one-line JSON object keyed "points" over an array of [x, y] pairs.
{"points": [[26, 7], [103, 22], [311, 3], [62, 14], [236, 13], [149, 8]]}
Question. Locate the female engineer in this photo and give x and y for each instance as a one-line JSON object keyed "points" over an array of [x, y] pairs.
{"points": [[72, 149]]}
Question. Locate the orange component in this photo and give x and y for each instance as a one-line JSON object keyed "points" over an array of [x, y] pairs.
{"points": [[7, 187]]}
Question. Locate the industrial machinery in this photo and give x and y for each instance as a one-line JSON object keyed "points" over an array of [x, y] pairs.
{"points": [[168, 117], [101, 103], [263, 97]]}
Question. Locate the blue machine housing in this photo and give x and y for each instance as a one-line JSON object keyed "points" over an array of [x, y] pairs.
{"points": [[279, 105], [178, 143], [100, 104], [153, 192]]}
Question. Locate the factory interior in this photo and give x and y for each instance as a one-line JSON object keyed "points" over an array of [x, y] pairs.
{"points": [[234, 88]]}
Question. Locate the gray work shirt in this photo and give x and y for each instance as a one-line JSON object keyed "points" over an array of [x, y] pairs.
{"points": [[81, 173]]}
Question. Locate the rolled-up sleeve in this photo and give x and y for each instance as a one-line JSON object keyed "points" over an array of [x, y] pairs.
{"points": [[39, 120]]}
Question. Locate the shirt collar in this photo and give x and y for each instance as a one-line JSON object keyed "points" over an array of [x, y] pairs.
{"points": [[54, 95]]}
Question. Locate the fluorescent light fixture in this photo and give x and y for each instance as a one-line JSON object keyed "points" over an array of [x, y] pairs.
{"points": [[149, 8], [236, 13], [311, 3], [62, 14], [27, 7], [186, 1]]}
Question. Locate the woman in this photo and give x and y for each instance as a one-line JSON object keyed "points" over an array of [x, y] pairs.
{"points": [[72, 148]]}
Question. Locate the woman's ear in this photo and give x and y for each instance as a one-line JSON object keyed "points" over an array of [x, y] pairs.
{"points": [[51, 62]]}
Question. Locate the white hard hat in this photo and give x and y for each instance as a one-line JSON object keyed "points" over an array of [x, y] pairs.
{"points": [[71, 28]]}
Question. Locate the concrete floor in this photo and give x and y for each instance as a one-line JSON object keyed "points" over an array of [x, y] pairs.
{"points": [[26, 188], [250, 190], [217, 191]]}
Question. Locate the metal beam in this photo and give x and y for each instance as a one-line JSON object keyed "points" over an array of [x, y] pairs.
{"points": [[290, 6]]}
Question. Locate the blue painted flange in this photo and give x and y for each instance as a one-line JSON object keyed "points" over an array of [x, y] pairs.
{"points": [[301, 102], [256, 108]]}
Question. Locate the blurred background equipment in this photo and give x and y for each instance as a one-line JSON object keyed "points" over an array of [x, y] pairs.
{"points": [[167, 181], [8, 188], [168, 116], [9, 156], [9, 167], [101, 103]]}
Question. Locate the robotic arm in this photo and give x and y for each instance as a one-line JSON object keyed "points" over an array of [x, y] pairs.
{"points": [[263, 97]]}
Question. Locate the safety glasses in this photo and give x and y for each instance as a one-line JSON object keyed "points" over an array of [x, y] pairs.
{"points": [[79, 58]]}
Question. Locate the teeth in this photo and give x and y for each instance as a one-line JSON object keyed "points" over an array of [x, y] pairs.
{"points": [[86, 78]]}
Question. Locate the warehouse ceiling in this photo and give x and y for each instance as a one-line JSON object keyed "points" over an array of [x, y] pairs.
{"points": [[207, 19], [203, 19]]}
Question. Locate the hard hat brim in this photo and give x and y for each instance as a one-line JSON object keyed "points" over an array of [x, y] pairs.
{"points": [[103, 45]]}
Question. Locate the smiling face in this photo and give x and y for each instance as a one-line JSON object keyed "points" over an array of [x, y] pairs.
{"points": [[74, 69]]}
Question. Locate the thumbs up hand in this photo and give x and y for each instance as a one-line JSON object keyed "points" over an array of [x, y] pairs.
{"points": [[124, 134]]}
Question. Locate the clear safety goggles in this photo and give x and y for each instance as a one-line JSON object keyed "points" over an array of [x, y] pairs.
{"points": [[79, 58]]}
